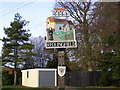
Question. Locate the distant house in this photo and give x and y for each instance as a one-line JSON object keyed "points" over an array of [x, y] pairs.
{"points": [[9, 69]]}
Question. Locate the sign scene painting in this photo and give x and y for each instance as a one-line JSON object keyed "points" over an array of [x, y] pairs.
{"points": [[60, 31]]}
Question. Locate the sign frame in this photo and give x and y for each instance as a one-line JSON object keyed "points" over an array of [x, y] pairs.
{"points": [[61, 42], [60, 33]]}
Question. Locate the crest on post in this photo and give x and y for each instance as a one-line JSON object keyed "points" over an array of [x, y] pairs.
{"points": [[61, 70]]}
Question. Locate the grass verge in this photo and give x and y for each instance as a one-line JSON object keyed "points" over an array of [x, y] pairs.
{"points": [[12, 87]]}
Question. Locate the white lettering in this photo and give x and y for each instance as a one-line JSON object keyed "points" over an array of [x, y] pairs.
{"points": [[61, 44]]}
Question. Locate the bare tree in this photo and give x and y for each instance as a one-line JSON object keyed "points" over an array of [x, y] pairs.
{"points": [[40, 60], [88, 40]]}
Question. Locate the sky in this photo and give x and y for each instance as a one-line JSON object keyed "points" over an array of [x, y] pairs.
{"points": [[35, 11]]}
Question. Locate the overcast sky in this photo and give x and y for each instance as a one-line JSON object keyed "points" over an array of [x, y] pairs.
{"points": [[35, 11]]}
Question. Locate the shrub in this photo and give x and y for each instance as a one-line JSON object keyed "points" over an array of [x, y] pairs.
{"points": [[105, 79], [7, 79]]}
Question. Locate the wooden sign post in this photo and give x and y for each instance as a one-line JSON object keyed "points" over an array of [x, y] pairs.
{"points": [[61, 68], [61, 35]]}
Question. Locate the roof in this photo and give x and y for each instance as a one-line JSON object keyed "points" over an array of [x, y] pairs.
{"points": [[51, 19], [59, 9], [60, 21], [7, 68], [40, 69]]}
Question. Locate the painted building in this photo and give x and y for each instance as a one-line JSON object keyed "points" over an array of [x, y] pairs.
{"points": [[59, 29], [39, 77]]}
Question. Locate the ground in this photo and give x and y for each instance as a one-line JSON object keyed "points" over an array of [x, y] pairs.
{"points": [[11, 87]]}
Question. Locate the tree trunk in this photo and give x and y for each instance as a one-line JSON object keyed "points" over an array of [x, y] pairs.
{"points": [[15, 73], [15, 77]]}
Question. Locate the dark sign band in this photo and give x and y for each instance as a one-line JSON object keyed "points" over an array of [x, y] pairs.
{"points": [[60, 44]]}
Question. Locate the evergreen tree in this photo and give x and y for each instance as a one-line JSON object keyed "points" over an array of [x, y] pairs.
{"points": [[16, 43], [53, 62], [27, 55]]}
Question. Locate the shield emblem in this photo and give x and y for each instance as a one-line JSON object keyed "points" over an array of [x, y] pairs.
{"points": [[61, 70]]}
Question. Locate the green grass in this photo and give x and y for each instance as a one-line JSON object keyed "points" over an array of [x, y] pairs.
{"points": [[12, 87], [62, 32], [0, 79], [63, 38]]}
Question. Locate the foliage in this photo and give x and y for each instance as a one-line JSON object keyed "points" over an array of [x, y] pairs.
{"points": [[19, 77], [27, 55], [110, 58], [16, 48], [74, 66], [8, 87], [0, 78], [105, 79], [42, 56], [110, 66], [88, 41], [97, 29], [51, 64], [7, 79]]}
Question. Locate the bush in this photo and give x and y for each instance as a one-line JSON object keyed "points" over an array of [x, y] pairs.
{"points": [[7, 79], [105, 79]]}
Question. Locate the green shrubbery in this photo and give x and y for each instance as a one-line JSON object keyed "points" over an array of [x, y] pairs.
{"points": [[7, 79], [107, 79], [0, 78], [110, 66]]}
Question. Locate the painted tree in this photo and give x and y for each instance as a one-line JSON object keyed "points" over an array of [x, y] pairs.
{"points": [[15, 43]]}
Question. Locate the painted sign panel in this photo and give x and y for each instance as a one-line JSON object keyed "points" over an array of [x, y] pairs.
{"points": [[60, 33]]}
